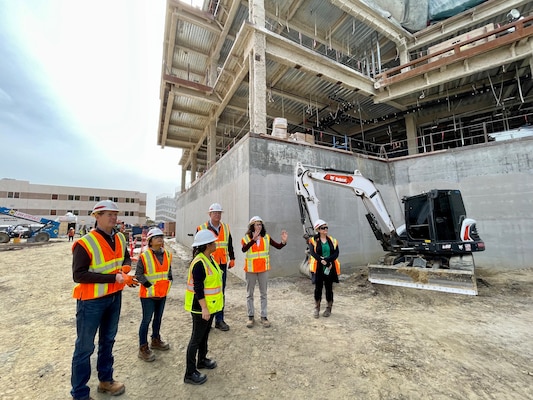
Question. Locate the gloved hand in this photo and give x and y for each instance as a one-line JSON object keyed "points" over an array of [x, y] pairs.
{"points": [[231, 263], [128, 279]]}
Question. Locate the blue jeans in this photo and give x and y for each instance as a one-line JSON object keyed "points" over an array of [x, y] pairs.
{"points": [[151, 307], [219, 316], [100, 315]]}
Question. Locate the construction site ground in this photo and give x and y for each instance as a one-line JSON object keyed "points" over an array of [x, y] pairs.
{"points": [[381, 342]]}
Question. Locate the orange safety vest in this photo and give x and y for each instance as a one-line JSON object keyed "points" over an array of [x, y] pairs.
{"points": [[221, 254], [214, 298], [156, 273], [313, 261], [257, 258], [104, 260]]}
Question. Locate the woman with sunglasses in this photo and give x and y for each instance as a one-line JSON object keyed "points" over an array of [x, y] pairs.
{"points": [[324, 265]]}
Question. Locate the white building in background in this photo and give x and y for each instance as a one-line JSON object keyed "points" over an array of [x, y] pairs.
{"points": [[165, 208], [53, 202]]}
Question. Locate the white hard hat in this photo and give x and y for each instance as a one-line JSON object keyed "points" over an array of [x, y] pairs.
{"points": [[255, 219], [215, 207], [203, 236], [154, 232], [319, 223], [104, 205]]}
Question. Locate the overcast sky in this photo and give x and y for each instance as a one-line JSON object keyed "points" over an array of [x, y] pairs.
{"points": [[79, 95]]}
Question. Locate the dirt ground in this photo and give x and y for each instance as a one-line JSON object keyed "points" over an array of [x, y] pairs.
{"points": [[381, 342]]}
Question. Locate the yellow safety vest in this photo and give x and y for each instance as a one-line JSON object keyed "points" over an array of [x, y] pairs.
{"points": [[156, 273], [221, 254], [103, 261], [214, 297], [257, 258], [313, 261]]}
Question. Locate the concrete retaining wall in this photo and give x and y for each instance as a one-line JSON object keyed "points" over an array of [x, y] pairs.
{"points": [[256, 178]]}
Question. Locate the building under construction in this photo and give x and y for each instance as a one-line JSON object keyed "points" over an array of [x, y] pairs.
{"points": [[413, 94]]}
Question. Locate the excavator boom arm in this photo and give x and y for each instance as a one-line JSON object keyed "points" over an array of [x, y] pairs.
{"points": [[378, 216]]}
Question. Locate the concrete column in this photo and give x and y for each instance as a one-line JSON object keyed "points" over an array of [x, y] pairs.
{"points": [[410, 127], [194, 166], [257, 60], [211, 144], [183, 177]]}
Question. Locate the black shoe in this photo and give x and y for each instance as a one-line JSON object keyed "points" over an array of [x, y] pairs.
{"points": [[196, 378], [222, 326], [206, 363]]}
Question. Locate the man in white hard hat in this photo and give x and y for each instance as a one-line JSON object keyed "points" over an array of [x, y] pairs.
{"points": [[100, 264], [224, 254]]}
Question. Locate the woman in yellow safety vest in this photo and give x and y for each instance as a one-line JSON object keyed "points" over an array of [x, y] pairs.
{"points": [[203, 298], [154, 273], [256, 244], [324, 265]]}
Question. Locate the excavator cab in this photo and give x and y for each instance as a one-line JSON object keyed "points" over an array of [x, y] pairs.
{"points": [[436, 215]]}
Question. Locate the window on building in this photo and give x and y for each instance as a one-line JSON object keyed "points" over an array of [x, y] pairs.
{"points": [[127, 199], [71, 197], [53, 212], [77, 197], [115, 199], [13, 195], [132, 200], [76, 212], [89, 212], [55, 197]]}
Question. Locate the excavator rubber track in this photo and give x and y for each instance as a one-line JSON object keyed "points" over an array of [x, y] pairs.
{"points": [[460, 281]]}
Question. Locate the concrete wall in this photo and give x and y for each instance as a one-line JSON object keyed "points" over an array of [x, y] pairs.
{"points": [[256, 178]]}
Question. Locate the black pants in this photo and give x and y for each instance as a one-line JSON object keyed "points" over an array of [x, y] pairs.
{"points": [[198, 343], [219, 316], [319, 284]]}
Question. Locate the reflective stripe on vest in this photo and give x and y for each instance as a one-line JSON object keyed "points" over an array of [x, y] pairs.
{"points": [[313, 261], [103, 261], [257, 258], [212, 286], [221, 254], [156, 273]]}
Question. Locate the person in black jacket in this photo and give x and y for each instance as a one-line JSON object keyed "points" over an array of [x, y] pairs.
{"points": [[324, 265]]}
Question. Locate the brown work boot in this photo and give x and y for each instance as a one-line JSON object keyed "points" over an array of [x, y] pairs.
{"points": [[316, 313], [250, 322], [158, 344], [113, 388], [327, 313], [145, 353]]}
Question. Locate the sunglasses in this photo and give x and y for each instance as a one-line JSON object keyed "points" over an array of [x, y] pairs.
{"points": [[323, 228]]}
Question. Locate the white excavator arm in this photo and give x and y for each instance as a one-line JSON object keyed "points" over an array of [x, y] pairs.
{"points": [[378, 216]]}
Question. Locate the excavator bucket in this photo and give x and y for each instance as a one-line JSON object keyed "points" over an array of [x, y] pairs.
{"points": [[442, 280]]}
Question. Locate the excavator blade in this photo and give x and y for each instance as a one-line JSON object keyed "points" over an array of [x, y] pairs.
{"points": [[459, 281]]}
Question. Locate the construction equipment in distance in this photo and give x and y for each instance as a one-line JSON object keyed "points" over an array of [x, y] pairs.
{"points": [[433, 248], [48, 230]]}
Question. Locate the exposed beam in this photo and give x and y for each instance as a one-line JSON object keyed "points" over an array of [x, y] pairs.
{"points": [[286, 52], [502, 50], [467, 19], [369, 16]]}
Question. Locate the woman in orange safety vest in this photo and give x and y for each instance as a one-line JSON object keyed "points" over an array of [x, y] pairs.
{"points": [[154, 273], [256, 244]]}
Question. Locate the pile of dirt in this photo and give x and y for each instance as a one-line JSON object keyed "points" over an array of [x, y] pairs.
{"points": [[381, 342]]}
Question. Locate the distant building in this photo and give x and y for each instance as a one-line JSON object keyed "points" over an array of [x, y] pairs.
{"points": [[165, 208], [53, 202]]}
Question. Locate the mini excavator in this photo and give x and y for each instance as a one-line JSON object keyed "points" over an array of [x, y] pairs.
{"points": [[432, 250]]}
